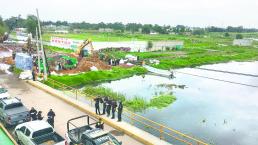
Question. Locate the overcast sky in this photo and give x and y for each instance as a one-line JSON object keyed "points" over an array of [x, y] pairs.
{"points": [[171, 12]]}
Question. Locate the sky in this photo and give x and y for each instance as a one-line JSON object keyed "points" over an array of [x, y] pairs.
{"points": [[194, 13]]}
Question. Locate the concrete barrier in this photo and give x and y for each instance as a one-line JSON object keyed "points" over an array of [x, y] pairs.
{"points": [[132, 131]]}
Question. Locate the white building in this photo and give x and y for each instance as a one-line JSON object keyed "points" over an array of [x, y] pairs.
{"points": [[166, 45], [105, 30], [243, 42]]}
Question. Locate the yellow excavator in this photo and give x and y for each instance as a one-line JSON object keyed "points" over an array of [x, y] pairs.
{"points": [[80, 52]]}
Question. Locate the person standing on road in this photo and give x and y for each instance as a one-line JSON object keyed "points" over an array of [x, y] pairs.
{"points": [[33, 75], [104, 105], [39, 115], [51, 117], [114, 105], [119, 111], [109, 102], [97, 100], [33, 113]]}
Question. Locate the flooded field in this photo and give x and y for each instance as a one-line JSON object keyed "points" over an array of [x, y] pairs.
{"points": [[219, 112]]}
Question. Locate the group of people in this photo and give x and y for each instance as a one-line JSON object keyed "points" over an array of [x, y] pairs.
{"points": [[109, 106], [37, 115]]}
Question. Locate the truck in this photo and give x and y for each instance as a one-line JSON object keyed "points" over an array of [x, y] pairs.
{"points": [[37, 132], [82, 130], [13, 112], [4, 93]]}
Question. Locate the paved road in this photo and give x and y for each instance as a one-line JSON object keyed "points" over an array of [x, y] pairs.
{"points": [[32, 96]]}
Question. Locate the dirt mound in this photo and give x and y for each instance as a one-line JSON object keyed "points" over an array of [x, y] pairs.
{"points": [[85, 64], [7, 60]]}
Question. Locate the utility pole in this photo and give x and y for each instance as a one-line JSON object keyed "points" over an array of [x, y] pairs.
{"points": [[37, 44], [42, 49]]}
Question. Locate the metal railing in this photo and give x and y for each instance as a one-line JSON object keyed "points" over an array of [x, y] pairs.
{"points": [[157, 129]]}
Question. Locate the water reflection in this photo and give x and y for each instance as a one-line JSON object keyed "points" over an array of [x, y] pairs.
{"points": [[218, 112]]}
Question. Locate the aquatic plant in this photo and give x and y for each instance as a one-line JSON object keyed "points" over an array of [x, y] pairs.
{"points": [[136, 104]]}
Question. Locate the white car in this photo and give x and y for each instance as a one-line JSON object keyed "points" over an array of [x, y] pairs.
{"points": [[37, 133], [4, 93]]}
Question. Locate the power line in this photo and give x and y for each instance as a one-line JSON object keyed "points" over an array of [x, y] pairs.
{"points": [[229, 72], [243, 84]]}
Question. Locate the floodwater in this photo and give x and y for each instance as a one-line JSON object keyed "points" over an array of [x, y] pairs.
{"points": [[217, 112]]}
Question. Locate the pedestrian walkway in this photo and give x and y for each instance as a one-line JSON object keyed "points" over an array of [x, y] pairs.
{"points": [[132, 131]]}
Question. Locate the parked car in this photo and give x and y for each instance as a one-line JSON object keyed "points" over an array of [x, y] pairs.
{"points": [[4, 93], [13, 112], [87, 134], [37, 133]]}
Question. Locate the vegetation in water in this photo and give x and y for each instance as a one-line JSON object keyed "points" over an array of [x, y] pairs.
{"points": [[134, 104], [99, 76], [162, 101]]}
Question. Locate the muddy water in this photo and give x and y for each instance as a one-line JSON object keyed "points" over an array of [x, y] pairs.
{"points": [[218, 112]]}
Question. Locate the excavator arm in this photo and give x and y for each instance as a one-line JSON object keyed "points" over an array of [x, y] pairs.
{"points": [[85, 43]]}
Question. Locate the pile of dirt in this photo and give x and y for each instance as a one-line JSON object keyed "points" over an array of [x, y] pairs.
{"points": [[85, 64], [7, 60]]}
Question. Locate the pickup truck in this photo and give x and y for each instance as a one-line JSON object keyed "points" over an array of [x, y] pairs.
{"points": [[13, 112], [87, 134], [37, 133], [4, 93]]}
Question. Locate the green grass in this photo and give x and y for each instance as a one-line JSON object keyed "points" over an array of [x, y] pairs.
{"points": [[99, 76], [136, 103], [16, 70], [58, 49], [197, 49], [162, 101]]}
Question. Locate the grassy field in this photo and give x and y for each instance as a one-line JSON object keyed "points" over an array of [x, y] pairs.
{"points": [[93, 77], [57, 49], [198, 50]]}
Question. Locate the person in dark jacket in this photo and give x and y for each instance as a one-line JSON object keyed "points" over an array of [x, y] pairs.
{"points": [[51, 117], [104, 105], [109, 102], [100, 124], [33, 75], [97, 101], [39, 115], [33, 113], [119, 111], [114, 105]]}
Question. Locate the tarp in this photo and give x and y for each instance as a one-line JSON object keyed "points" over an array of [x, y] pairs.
{"points": [[23, 61]]}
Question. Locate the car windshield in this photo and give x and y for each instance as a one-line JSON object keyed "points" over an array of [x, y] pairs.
{"points": [[14, 105], [106, 140], [3, 90], [42, 132]]}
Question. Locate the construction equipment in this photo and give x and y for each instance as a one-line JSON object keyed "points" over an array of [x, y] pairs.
{"points": [[68, 62], [81, 52]]}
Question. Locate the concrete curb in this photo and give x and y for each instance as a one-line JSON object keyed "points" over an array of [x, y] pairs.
{"points": [[132, 131]]}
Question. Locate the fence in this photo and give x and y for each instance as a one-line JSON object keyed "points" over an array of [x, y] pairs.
{"points": [[157, 129]]}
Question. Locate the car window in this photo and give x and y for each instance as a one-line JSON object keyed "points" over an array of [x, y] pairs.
{"points": [[14, 105], [22, 129], [27, 132], [42, 132]]}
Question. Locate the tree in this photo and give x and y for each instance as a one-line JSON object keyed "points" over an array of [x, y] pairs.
{"points": [[149, 45], [199, 32], [226, 34], [239, 36], [31, 24], [3, 29], [146, 29]]}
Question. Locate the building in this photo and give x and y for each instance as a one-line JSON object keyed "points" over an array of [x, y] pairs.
{"points": [[166, 45], [243, 42], [105, 30]]}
